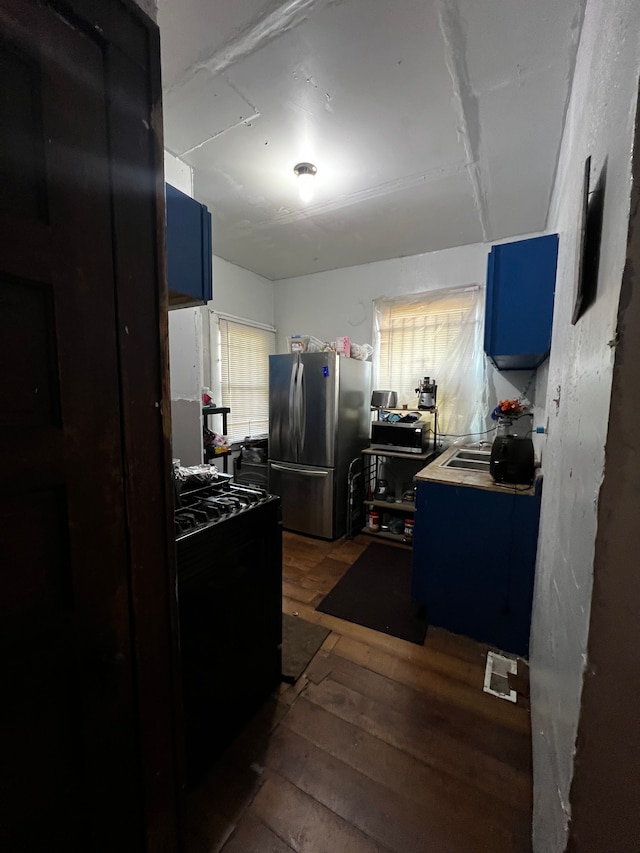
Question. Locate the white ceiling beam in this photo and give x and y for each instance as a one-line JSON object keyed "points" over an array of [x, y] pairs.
{"points": [[270, 25], [465, 102]]}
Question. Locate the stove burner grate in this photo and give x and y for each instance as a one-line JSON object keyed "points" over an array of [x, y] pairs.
{"points": [[212, 503]]}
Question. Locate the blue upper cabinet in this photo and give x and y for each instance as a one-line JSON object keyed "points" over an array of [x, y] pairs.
{"points": [[189, 255], [521, 278]]}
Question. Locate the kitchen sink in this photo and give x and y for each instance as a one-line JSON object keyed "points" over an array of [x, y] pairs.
{"points": [[471, 460], [470, 464], [474, 455]]}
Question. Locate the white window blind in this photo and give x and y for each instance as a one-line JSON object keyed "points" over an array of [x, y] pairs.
{"points": [[244, 373], [436, 334]]}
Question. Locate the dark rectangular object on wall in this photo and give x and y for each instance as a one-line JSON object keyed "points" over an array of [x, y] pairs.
{"points": [[519, 302]]}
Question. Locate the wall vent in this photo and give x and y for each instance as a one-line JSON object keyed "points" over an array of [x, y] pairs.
{"points": [[496, 676]]}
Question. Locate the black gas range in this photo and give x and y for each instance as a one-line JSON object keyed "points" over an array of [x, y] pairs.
{"points": [[215, 503], [229, 569]]}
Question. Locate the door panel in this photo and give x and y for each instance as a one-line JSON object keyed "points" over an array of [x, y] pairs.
{"points": [[282, 415], [22, 169], [318, 381], [306, 496], [30, 396], [69, 709]]}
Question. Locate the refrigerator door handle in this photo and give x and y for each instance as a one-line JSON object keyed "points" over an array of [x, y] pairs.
{"points": [[293, 419], [302, 409], [307, 473]]}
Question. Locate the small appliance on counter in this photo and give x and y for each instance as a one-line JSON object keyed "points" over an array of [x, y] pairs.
{"points": [[512, 459], [427, 392], [384, 399], [400, 436]]}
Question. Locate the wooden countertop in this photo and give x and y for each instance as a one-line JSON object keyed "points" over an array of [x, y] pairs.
{"points": [[436, 472]]}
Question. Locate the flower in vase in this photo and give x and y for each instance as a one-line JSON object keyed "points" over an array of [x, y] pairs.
{"points": [[508, 409]]}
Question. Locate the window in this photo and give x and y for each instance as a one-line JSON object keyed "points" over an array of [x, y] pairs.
{"points": [[244, 375], [436, 334]]}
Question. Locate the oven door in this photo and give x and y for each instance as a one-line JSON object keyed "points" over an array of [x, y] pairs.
{"points": [[230, 615], [306, 496]]}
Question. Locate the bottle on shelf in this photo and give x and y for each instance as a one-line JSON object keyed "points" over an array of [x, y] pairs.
{"points": [[408, 530], [382, 490], [373, 520]]}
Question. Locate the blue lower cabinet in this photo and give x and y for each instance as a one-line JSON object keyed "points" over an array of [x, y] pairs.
{"points": [[474, 555]]}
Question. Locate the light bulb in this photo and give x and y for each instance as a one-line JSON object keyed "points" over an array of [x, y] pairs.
{"points": [[305, 173], [305, 187]]}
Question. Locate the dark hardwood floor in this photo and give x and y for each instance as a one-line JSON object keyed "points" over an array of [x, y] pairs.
{"points": [[382, 745]]}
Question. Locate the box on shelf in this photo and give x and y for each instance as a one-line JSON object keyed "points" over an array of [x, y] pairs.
{"points": [[343, 346], [305, 343]]}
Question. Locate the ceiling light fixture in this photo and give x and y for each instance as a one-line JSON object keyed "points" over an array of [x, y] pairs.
{"points": [[305, 173]]}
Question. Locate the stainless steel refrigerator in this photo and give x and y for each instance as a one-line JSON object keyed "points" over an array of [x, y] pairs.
{"points": [[319, 419]]}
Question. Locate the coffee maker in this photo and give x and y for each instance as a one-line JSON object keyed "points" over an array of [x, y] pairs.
{"points": [[427, 394]]}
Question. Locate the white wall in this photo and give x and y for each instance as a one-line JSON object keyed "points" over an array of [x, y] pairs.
{"points": [[340, 302], [238, 293], [186, 368], [241, 293], [178, 173], [599, 123]]}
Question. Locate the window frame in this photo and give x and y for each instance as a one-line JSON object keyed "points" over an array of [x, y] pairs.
{"points": [[461, 398], [221, 384]]}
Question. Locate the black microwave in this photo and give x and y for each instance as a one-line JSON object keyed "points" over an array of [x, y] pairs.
{"points": [[402, 437]]}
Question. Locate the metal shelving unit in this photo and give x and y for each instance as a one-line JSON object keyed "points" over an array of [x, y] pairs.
{"points": [[217, 410], [372, 460]]}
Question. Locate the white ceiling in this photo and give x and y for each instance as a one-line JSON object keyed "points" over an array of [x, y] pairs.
{"points": [[433, 123]]}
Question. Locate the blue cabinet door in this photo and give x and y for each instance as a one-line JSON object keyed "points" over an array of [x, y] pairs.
{"points": [[474, 555], [189, 255], [519, 302]]}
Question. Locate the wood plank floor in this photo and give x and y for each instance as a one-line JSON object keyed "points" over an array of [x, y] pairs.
{"points": [[382, 745]]}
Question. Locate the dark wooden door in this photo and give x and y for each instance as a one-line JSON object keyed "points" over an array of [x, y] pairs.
{"points": [[72, 757]]}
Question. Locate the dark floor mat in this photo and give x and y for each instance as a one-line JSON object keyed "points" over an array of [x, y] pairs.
{"points": [[376, 592], [300, 641]]}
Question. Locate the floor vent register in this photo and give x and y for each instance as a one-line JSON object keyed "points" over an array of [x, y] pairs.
{"points": [[496, 676]]}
